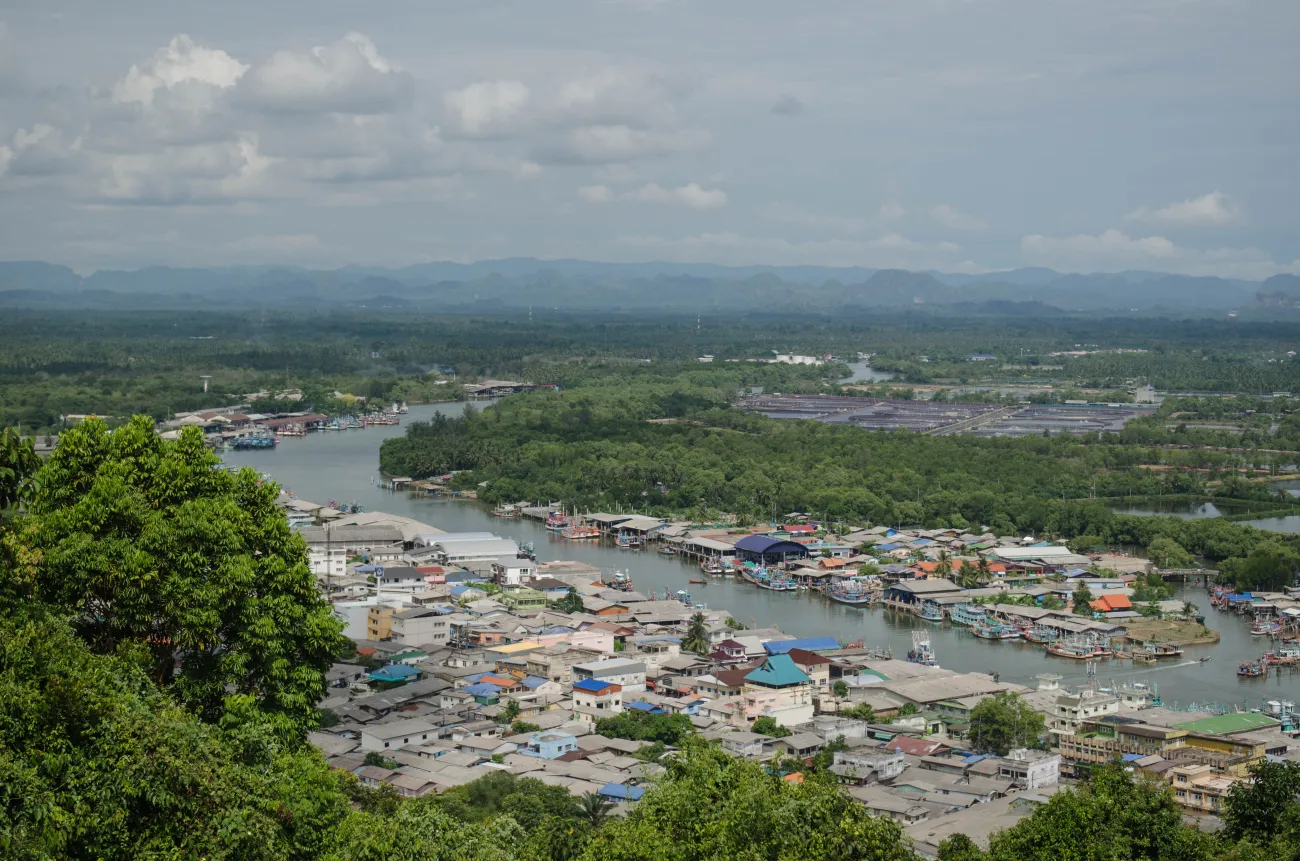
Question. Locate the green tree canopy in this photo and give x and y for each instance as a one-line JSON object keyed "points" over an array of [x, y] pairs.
{"points": [[1165, 552], [1004, 721], [769, 727], [147, 543]]}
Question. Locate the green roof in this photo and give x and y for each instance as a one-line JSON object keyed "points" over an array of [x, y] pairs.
{"points": [[866, 672], [1235, 722], [777, 672]]}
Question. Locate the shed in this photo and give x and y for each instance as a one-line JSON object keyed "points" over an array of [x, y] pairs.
{"points": [[768, 550]]}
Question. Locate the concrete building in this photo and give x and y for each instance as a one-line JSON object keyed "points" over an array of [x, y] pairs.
{"points": [[393, 735], [513, 571], [868, 765], [420, 626], [1031, 769], [597, 698], [780, 690], [627, 674]]}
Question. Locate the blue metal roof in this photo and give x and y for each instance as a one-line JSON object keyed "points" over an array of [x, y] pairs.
{"points": [[644, 707], [482, 689], [622, 791], [532, 681], [594, 686], [1132, 757], [922, 542], [778, 671], [811, 644], [887, 547], [394, 672], [767, 544]]}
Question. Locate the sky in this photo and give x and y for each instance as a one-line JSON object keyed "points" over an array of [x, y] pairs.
{"points": [[956, 135]]}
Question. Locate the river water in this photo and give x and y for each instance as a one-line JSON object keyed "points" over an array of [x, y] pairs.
{"points": [[343, 466]]}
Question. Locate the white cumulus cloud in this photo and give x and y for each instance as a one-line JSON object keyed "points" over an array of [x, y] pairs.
{"points": [[691, 195], [620, 143], [1113, 250], [347, 76], [485, 106], [1215, 209], [949, 216], [180, 62]]}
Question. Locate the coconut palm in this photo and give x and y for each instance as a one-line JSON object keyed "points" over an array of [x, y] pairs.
{"points": [[697, 635], [593, 808]]}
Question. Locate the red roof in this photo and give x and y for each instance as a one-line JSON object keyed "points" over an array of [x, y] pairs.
{"points": [[1110, 603], [914, 746], [800, 529], [805, 658]]}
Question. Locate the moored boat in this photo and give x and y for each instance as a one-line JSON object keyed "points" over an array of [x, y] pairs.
{"points": [[579, 532], [922, 652], [967, 614], [1252, 669], [987, 629]]}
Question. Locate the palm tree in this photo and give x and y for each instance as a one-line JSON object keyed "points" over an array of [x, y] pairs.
{"points": [[944, 568], [593, 808], [697, 635], [983, 567], [968, 577]]}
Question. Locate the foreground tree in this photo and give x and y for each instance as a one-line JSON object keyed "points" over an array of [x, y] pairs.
{"points": [[146, 543], [710, 806], [1081, 600], [1265, 807]]}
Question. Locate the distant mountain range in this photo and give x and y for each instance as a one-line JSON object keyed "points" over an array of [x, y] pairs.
{"points": [[579, 285]]}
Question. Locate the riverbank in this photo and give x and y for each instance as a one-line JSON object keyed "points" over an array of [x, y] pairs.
{"points": [[1171, 631]]}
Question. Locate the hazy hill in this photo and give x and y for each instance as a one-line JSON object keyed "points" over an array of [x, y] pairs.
{"points": [[517, 284]]}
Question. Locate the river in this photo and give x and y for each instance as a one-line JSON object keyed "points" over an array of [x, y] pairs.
{"points": [[862, 372], [343, 466]]}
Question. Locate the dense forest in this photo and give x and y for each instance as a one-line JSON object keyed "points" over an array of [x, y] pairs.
{"points": [[118, 364], [107, 753]]}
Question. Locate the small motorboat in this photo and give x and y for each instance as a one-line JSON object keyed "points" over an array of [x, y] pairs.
{"points": [[698, 582], [1205, 660]]}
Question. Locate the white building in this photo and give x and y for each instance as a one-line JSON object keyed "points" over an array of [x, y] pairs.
{"points": [[420, 626], [627, 674], [513, 571], [400, 578], [1031, 769], [791, 359]]}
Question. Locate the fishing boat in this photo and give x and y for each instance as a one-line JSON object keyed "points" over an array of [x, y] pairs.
{"points": [[1041, 634], [1166, 650], [579, 532], [1285, 656], [852, 592], [683, 596], [1252, 669], [930, 611], [244, 442], [291, 430], [619, 581], [967, 614], [987, 629], [557, 521], [1077, 649], [1265, 627], [624, 542], [713, 567], [921, 651], [505, 511], [698, 582], [667, 550]]}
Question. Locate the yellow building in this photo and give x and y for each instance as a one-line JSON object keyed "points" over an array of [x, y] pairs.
{"points": [[379, 623], [1197, 789]]}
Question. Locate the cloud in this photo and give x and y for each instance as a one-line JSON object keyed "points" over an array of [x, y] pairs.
{"points": [[727, 247], [691, 195], [793, 215], [286, 244], [347, 76], [180, 63], [891, 211], [596, 193], [1113, 250], [1215, 209], [788, 105], [948, 216], [485, 106], [620, 143]]}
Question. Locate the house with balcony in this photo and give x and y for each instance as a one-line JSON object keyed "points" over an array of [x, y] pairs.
{"points": [[1198, 789], [593, 699]]}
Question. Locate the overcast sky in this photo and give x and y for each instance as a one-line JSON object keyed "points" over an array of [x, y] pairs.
{"points": [[961, 135]]}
